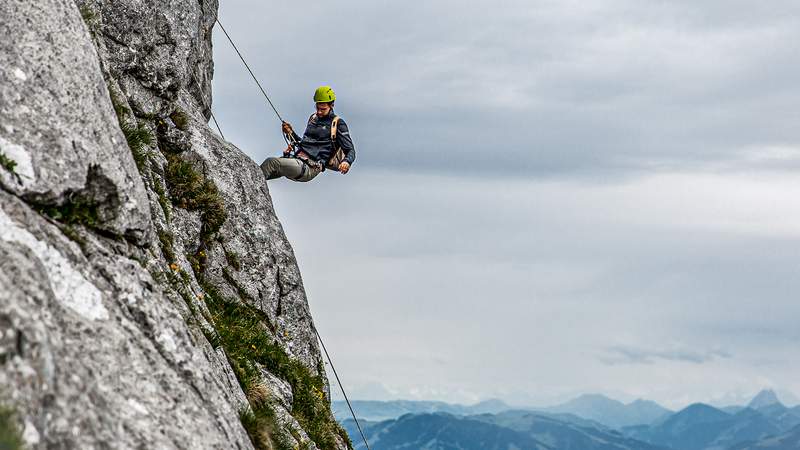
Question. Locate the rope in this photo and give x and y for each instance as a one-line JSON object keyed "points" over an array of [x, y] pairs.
{"points": [[199, 89], [341, 386], [217, 124], [327, 355], [248, 69]]}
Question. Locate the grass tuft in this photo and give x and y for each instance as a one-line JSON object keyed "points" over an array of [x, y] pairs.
{"points": [[10, 438], [167, 243], [90, 18], [72, 233], [180, 119], [139, 138], [261, 426], [258, 394], [166, 206], [233, 260], [137, 134], [8, 163], [191, 191], [199, 261], [73, 212], [118, 103]]}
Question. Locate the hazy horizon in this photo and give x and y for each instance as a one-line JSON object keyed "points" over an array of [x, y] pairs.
{"points": [[787, 398]]}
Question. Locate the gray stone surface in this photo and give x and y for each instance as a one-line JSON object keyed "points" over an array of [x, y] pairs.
{"points": [[156, 49], [104, 342], [57, 120], [95, 355]]}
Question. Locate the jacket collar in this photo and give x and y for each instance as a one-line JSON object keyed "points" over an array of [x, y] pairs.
{"points": [[327, 118]]}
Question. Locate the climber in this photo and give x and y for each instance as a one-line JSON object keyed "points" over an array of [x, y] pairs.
{"points": [[326, 143]]}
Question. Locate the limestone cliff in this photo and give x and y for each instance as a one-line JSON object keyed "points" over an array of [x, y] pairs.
{"points": [[148, 295]]}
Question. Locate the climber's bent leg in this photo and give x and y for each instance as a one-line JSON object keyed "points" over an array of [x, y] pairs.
{"points": [[281, 167], [309, 172], [291, 168]]}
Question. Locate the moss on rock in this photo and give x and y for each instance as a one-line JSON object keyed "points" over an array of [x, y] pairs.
{"points": [[138, 138], [91, 19], [180, 119], [244, 336], [233, 260], [72, 212], [163, 201], [190, 190], [10, 438], [167, 245], [7, 163], [137, 133]]}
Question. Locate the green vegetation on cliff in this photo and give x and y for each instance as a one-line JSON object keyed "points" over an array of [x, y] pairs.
{"points": [[192, 191], [7, 163], [243, 332], [10, 438]]}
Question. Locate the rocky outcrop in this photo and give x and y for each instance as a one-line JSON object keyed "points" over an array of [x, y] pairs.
{"points": [[148, 295]]}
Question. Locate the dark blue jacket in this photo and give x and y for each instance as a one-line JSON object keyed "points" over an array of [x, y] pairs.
{"points": [[317, 139]]}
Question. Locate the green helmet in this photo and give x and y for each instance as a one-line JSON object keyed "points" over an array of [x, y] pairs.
{"points": [[324, 94]]}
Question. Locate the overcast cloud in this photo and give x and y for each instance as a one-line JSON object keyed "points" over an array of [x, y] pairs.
{"points": [[550, 197]]}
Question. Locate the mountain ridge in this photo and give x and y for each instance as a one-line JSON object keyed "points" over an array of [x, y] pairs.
{"points": [[507, 430], [703, 427], [764, 398], [611, 412], [698, 426], [378, 410]]}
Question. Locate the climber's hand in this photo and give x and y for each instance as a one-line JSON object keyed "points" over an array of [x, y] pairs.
{"points": [[286, 127], [287, 151], [344, 167]]}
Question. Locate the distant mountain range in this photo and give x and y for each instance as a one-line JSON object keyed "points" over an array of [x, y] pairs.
{"points": [[599, 408], [611, 413], [703, 427], [589, 422], [785, 441], [378, 410], [511, 430], [439, 431]]}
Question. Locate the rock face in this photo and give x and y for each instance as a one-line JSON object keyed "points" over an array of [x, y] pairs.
{"points": [[57, 122], [148, 295]]}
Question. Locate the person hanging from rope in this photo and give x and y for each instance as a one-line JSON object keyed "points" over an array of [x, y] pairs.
{"points": [[326, 143]]}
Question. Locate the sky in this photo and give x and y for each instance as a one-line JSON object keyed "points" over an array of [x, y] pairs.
{"points": [[550, 198]]}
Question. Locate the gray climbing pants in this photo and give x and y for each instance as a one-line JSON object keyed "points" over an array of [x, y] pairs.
{"points": [[291, 168]]}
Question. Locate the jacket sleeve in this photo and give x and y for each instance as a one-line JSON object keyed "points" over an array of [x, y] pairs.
{"points": [[345, 142], [296, 137]]}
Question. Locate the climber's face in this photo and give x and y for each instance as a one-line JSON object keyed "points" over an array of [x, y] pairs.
{"points": [[323, 109]]}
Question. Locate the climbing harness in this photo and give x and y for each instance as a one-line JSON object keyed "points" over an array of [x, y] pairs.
{"points": [[292, 142], [306, 165]]}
